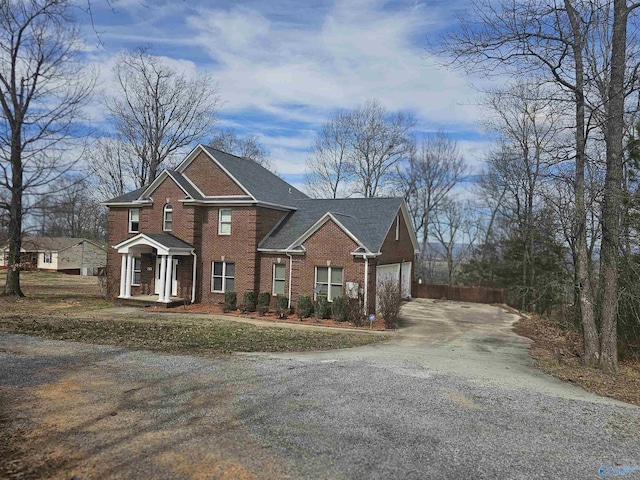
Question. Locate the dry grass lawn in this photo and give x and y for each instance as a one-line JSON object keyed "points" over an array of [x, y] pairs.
{"points": [[558, 349]]}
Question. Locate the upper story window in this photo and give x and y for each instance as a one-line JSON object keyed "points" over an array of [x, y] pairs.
{"points": [[167, 223], [224, 221], [329, 281], [47, 257], [278, 278], [134, 220]]}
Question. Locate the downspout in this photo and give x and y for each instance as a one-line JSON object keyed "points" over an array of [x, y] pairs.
{"points": [[366, 284], [193, 280], [290, 279]]}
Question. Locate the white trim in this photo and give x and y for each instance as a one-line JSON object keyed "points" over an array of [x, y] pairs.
{"points": [[221, 201], [284, 251], [142, 239], [194, 153], [129, 229], [131, 203], [133, 271], [224, 275], [273, 278], [397, 227], [193, 279], [158, 181], [316, 226], [329, 284], [164, 218], [178, 183], [220, 222]]}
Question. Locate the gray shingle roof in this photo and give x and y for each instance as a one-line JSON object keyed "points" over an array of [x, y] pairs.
{"points": [[368, 219], [185, 184], [168, 240], [51, 244], [260, 182], [127, 197]]}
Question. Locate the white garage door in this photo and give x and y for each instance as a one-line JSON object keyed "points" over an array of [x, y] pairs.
{"points": [[393, 271]]}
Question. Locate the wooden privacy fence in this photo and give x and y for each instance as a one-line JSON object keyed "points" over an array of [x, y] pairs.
{"points": [[459, 293]]}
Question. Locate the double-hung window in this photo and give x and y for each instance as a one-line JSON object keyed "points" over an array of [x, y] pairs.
{"points": [[329, 282], [224, 221], [167, 224], [135, 274], [134, 220], [223, 276], [47, 257], [279, 270]]}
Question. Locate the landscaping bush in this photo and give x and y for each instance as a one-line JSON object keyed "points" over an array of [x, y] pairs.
{"points": [[282, 306], [249, 301], [305, 306], [264, 299], [339, 309], [390, 299], [262, 310], [230, 301], [322, 308]]}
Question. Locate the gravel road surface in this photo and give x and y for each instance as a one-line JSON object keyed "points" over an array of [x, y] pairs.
{"points": [[454, 395]]}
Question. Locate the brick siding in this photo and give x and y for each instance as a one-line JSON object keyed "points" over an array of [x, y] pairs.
{"points": [[210, 178]]}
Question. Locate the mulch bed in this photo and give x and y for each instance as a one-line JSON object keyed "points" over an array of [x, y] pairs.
{"points": [[216, 309]]}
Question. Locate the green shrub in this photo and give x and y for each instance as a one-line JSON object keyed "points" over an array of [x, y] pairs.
{"points": [[322, 308], [305, 306], [264, 299], [249, 301], [339, 309], [282, 306], [282, 302], [230, 300]]}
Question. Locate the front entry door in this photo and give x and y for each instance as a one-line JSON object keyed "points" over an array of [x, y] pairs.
{"points": [[174, 275]]}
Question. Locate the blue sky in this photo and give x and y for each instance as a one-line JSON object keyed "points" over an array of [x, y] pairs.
{"points": [[283, 66]]}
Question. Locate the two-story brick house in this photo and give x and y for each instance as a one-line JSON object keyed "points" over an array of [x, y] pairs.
{"points": [[220, 222]]}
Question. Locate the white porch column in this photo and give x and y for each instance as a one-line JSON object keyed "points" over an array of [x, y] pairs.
{"points": [[123, 276], [129, 274], [168, 279], [162, 279]]}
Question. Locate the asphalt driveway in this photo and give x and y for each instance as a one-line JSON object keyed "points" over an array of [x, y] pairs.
{"points": [[453, 395]]}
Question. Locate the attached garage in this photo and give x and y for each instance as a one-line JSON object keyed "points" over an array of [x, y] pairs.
{"points": [[396, 271]]}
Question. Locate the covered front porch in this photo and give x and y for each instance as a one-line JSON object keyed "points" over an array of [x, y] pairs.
{"points": [[164, 255]]}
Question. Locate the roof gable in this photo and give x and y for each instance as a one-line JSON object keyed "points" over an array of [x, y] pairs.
{"points": [[255, 180], [366, 220]]}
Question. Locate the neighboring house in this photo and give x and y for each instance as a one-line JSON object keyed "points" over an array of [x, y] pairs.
{"points": [[77, 256], [220, 222]]}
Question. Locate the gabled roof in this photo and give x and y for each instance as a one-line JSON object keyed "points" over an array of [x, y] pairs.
{"points": [[53, 244], [367, 219], [127, 197], [259, 182], [165, 243]]}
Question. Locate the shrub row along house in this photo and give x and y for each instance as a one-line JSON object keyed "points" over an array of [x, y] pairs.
{"points": [[221, 223]]}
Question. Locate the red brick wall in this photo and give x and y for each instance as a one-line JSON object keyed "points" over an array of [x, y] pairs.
{"points": [[240, 247], [266, 272], [329, 243], [151, 217], [396, 251], [118, 232], [211, 179]]}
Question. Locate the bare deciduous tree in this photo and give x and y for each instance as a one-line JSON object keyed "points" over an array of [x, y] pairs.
{"points": [[434, 168], [249, 146], [357, 151], [327, 166], [43, 87], [157, 111]]}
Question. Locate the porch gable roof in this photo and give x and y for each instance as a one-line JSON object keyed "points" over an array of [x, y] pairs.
{"points": [[164, 243]]}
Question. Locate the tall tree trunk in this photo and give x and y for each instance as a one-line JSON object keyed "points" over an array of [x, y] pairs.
{"points": [[613, 190], [584, 286], [12, 286]]}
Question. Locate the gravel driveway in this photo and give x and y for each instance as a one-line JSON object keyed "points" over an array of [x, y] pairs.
{"points": [[453, 395]]}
